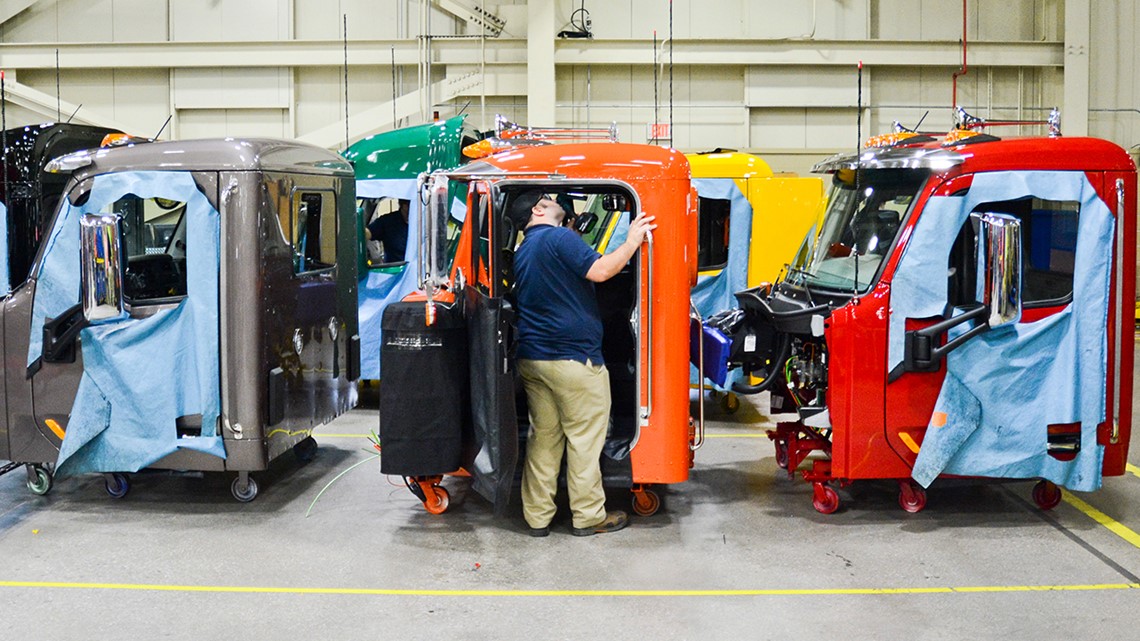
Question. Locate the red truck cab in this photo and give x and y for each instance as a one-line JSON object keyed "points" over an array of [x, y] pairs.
{"points": [[961, 310]]}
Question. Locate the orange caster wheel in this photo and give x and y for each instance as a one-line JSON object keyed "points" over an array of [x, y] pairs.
{"points": [[912, 497], [825, 499], [646, 502], [437, 500], [1046, 494]]}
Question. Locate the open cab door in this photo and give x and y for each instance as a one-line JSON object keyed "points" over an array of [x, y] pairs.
{"points": [[494, 453]]}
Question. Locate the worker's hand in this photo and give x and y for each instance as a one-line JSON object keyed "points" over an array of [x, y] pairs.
{"points": [[639, 228]]}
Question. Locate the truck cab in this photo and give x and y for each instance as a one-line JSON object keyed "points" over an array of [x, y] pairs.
{"points": [[962, 311], [471, 416], [191, 306]]}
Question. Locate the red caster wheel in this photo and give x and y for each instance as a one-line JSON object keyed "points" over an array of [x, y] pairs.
{"points": [[1046, 494], [782, 454], [437, 501], [825, 499], [912, 497], [646, 502]]}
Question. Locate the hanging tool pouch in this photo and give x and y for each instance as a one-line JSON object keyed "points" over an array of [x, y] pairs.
{"points": [[425, 393]]}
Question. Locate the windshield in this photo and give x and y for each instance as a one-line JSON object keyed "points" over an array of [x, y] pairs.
{"points": [[858, 228]]}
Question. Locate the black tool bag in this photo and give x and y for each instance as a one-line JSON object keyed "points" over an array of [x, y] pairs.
{"points": [[424, 393]]}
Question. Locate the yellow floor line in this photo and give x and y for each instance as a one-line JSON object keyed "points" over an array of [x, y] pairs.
{"points": [[1100, 517], [142, 587], [726, 435], [1132, 469]]}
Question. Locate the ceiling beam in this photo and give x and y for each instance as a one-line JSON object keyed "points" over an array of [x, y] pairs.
{"points": [[330, 53], [46, 105], [383, 116], [11, 8]]}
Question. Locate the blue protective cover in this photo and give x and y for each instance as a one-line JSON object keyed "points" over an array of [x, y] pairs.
{"points": [[378, 289], [5, 277], [716, 293], [139, 375], [1003, 388]]}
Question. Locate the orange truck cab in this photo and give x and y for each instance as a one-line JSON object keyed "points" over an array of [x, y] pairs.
{"points": [[451, 400]]}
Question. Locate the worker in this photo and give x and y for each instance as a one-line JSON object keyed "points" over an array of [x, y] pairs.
{"points": [[392, 231], [561, 365]]}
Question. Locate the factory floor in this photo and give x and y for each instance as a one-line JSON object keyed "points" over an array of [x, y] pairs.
{"points": [[335, 550]]}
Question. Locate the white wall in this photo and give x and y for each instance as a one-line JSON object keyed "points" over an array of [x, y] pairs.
{"points": [[784, 82]]}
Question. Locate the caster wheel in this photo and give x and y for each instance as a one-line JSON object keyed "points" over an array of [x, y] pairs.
{"points": [[826, 499], [782, 454], [1046, 494], [438, 501], [305, 450], [117, 484], [646, 503], [912, 497], [245, 493], [729, 403], [42, 482]]}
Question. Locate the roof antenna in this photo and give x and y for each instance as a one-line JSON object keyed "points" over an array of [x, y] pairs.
{"points": [[656, 88], [964, 69], [73, 113], [58, 108], [394, 87], [858, 165], [163, 127], [345, 81], [921, 119], [671, 134], [4, 131]]}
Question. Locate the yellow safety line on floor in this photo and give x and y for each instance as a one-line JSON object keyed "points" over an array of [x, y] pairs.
{"points": [[1132, 469], [1100, 517], [142, 587], [729, 435]]}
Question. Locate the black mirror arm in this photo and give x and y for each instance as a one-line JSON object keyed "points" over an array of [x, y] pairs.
{"points": [[60, 334], [921, 352]]}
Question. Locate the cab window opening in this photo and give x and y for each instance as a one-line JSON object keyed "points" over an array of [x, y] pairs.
{"points": [[385, 229], [1049, 243], [713, 233], [154, 242], [314, 230]]}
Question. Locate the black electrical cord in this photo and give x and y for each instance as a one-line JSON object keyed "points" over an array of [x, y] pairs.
{"points": [[580, 26]]}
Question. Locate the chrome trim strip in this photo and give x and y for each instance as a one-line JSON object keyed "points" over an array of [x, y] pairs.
{"points": [[1118, 303], [892, 158]]}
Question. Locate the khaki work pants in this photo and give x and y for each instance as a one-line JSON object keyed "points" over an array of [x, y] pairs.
{"points": [[569, 411]]}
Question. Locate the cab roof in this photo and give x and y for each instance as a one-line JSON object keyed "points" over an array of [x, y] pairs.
{"points": [[216, 154], [728, 163], [404, 153], [616, 160], [988, 153]]}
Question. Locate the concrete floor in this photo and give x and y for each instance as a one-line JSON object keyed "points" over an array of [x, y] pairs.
{"points": [[737, 552]]}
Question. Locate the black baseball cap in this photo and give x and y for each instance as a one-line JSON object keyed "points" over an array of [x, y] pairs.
{"points": [[522, 205]]}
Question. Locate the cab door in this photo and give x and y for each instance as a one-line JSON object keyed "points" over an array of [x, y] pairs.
{"points": [[490, 326]]}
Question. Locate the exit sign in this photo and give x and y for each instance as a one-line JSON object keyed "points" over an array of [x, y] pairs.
{"points": [[659, 131]]}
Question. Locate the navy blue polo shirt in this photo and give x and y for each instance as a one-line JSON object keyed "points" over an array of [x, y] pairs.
{"points": [[558, 316]]}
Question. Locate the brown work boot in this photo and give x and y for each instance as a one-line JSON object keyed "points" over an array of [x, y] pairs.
{"points": [[613, 522]]}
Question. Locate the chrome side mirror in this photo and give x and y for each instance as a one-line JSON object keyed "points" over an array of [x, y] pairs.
{"points": [[433, 233], [999, 266], [101, 265]]}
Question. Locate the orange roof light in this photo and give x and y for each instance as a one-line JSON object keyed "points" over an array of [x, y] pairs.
{"points": [[888, 140], [115, 139], [956, 136]]}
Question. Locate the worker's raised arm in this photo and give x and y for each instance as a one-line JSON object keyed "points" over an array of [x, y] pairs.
{"points": [[609, 265]]}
